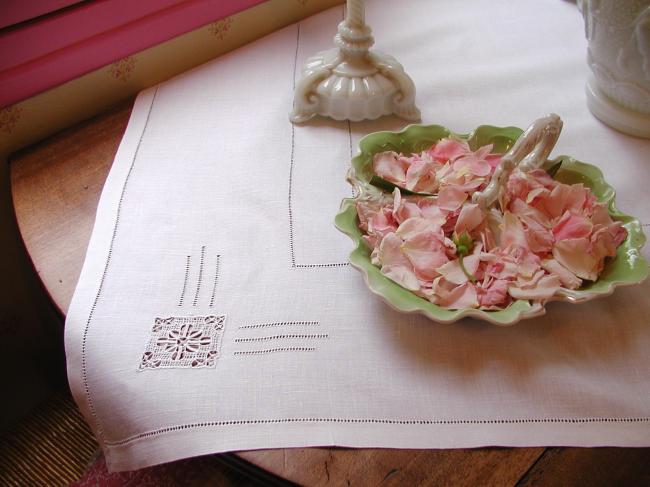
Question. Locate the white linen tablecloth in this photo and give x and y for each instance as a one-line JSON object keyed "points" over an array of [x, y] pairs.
{"points": [[214, 237]]}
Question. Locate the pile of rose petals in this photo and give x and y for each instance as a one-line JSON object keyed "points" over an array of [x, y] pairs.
{"points": [[546, 236]]}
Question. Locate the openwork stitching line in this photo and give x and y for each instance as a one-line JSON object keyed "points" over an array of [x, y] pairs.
{"points": [[274, 350], [334, 264], [350, 137], [293, 146], [200, 278], [188, 264], [430, 422], [84, 364], [292, 248], [279, 337], [353, 191], [216, 280], [280, 323]]}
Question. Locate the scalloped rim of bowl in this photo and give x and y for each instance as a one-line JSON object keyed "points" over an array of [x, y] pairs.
{"points": [[627, 268]]}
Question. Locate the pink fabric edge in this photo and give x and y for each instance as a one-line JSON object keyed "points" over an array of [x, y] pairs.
{"points": [[15, 11], [48, 71], [28, 42]]}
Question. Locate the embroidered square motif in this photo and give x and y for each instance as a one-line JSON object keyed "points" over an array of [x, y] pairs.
{"points": [[184, 341]]}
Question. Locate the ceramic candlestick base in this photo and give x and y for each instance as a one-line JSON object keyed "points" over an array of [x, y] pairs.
{"points": [[351, 82]]}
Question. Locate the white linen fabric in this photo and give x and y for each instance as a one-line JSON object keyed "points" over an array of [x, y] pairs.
{"points": [[217, 206]]}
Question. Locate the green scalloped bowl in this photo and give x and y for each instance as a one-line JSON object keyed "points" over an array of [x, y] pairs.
{"points": [[628, 268]]}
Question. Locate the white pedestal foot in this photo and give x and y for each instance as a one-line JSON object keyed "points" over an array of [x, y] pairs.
{"points": [[616, 116], [351, 82]]}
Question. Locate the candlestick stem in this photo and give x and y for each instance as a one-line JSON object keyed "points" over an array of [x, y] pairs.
{"points": [[355, 13]]}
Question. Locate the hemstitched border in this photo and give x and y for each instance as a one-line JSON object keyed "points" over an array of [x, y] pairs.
{"points": [[188, 265], [280, 337], [267, 351], [279, 323], [199, 281], [216, 281], [292, 249], [84, 364], [407, 422]]}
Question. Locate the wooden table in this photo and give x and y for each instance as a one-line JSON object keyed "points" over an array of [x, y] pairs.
{"points": [[56, 186]]}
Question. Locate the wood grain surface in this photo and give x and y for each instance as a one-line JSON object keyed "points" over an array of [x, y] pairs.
{"points": [[56, 186]]}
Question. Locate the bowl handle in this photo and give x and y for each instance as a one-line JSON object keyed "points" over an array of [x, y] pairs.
{"points": [[529, 152]]}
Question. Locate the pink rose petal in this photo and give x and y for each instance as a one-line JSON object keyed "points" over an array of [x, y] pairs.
{"points": [[573, 253], [513, 232], [450, 198], [524, 211], [471, 164], [493, 160], [395, 265], [461, 297], [539, 238], [567, 278], [469, 218], [535, 193], [403, 209], [529, 280], [453, 272], [365, 212], [448, 150], [600, 215], [413, 226], [421, 177], [484, 151], [382, 223], [402, 276], [426, 252], [577, 197], [618, 232], [529, 186], [500, 268], [389, 166], [390, 251], [496, 294], [605, 241], [572, 225], [555, 203], [406, 210], [545, 288], [431, 211]]}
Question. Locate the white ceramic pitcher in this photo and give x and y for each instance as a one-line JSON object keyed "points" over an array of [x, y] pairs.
{"points": [[618, 89]]}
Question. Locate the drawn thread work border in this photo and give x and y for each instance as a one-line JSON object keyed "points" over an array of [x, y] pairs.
{"points": [[215, 283], [188, 265], [292, 247], [267, 351], [385, 421], [279, 323], [84, 341], [199, 281], [283, 336]]}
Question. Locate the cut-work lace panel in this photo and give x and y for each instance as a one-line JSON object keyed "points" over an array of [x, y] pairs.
{"points": [[184, 341]]}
